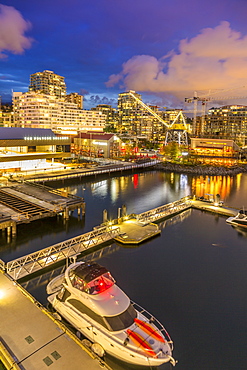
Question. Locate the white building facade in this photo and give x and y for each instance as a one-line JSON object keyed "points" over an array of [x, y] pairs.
{"points": [[38, 110]]}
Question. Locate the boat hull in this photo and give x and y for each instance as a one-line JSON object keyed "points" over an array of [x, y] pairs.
{"points": [[236, 222], [115, 344]]}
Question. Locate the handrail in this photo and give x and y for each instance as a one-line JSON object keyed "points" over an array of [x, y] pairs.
{"points": [[36, 261], [152, 319]]}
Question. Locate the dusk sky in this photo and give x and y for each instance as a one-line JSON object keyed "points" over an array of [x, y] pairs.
{"points": [[163, 49]]}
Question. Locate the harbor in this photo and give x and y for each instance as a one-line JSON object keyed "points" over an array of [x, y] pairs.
{"points": [[159, 213], [126, 229]]}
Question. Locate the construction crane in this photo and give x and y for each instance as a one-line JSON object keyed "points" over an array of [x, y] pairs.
{"points": [[204, 99], [175, 131]]}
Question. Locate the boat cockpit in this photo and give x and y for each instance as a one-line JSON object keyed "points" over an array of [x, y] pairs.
{"points": [[91, 279]]}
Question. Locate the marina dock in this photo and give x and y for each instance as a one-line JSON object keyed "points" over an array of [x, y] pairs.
{"points": [[211, 207], [128, 229], [42, 340], [33, 339]]}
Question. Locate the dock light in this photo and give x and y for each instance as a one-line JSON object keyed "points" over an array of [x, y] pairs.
{"points": [[2, 294]]}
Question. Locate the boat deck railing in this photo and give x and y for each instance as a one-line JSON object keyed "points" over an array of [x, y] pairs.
{"points": [[153, 320]]}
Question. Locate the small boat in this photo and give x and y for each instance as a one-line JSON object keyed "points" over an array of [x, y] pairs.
{"points": [[239, 220], [87, 296]]}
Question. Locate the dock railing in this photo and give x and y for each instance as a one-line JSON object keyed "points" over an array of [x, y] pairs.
{"points": [[36, 261], [165, 210]]}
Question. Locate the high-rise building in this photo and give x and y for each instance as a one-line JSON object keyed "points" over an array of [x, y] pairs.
{"points": [[111, 116], [227, 122], [37, 110], [75, 98], [129, 112], [139, 119], [48, 83]]}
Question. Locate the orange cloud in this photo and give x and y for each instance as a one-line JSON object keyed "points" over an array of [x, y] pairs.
{"points": [[12, 29], [214, 59]]}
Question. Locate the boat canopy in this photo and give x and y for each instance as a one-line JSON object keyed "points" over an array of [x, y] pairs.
{"points": [[89, 272], [91, 278]]}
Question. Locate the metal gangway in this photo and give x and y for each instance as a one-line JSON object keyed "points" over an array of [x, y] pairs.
{"points": [[43, 258], [167, 210]]}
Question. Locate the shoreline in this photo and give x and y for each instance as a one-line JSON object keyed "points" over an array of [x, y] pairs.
{"points": [[202, 170]]}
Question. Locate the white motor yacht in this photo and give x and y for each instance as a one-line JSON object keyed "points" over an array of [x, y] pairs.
{"points": [[239, 220], [88, 298]]}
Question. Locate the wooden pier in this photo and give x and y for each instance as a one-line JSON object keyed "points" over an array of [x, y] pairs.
{"points": [[69, 174], [25, 202]]}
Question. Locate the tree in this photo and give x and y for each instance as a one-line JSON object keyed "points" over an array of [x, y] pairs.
{"points": [[172, 150]]}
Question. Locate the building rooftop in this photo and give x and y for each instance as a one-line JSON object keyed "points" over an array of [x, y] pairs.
{"points": [[13, 133]]}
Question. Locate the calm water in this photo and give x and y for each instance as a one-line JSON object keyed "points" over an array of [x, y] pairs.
{"points": [[192, 277]]}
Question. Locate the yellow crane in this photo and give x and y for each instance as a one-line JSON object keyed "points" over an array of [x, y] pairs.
{"points": [[176, 131]]}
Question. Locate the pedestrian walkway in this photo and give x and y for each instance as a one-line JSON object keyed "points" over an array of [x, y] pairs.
{"points": [[32, 339]]}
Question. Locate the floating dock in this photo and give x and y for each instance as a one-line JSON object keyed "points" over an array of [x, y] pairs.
{"points": [[33, 339], [213, 208], [134, 232]]}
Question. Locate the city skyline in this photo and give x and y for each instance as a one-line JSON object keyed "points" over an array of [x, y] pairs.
{"points": [[163, 50]]}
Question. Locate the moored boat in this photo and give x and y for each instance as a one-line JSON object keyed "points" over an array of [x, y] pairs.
{"points": [[87, 296], [239, 220]]}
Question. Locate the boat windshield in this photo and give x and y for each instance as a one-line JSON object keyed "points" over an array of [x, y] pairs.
{"points": [[100, 284], [95, 286], [122, 321]]}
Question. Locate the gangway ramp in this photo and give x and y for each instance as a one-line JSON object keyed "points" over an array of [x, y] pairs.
{"points": [[167, 210], [39, 260]]}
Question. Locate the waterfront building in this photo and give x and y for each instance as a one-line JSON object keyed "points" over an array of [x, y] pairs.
{"points": [[130, 113], [217, 151], [48, 83], [227, 122], [38, 110], [6, 117], [136, 119], [96, 144], [28, 149]]}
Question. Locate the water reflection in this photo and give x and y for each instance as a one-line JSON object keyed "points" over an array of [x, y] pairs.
{"points": [[222, 185], [175, 219]]}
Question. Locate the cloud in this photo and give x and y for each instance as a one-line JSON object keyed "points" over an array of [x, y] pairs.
{"points": [[12, 29], [99, 99], [214, 59], [83, 92]]}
